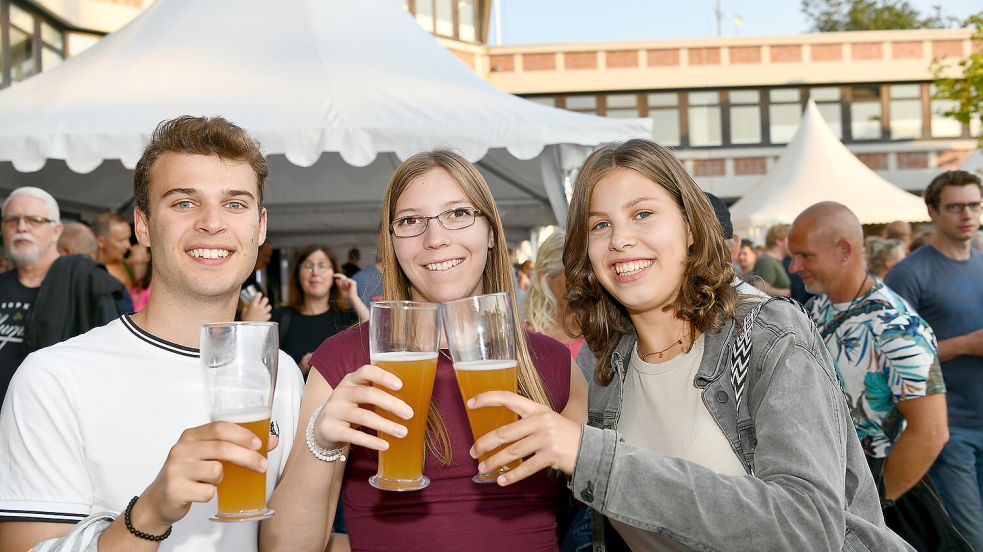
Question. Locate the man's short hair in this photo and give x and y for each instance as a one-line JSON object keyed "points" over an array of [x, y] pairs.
{"points": [[104, 223], [949, 178], [198, 136], [775, 233], [747, 243], [78, 238], [354, 254], [53, 212]]}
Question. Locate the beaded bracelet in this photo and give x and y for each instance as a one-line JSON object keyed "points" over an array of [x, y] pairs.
{"points": [[319, 452], [136, 532]]}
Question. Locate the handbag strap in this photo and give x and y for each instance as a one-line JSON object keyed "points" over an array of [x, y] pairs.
{"points": [[740, 364]]}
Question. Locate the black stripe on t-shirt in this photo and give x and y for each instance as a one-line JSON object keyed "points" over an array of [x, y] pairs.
{"points": [[156, 341], [33, 515]]}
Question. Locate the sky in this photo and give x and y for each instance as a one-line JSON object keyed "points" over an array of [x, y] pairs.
{"points": [[552, 21]]}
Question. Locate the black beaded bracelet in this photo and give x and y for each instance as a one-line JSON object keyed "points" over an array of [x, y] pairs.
{"points": [[136, 532]]}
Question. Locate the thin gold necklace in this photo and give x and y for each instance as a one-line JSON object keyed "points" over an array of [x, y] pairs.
{"points": [[663, 351]]}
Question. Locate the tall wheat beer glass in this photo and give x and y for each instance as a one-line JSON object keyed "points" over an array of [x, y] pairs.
{"points": [[403, 340], [481, 336], [240, 362]]}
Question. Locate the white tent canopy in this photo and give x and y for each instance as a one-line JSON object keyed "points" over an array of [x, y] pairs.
{"points": [[336, 91], [814, 167]]}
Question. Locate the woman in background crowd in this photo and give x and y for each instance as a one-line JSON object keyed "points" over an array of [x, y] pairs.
{"points": [[138, 263], [323, 302], [882, 254]]}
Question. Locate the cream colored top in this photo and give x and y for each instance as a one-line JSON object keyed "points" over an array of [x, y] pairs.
{"points": [[663, 413]]}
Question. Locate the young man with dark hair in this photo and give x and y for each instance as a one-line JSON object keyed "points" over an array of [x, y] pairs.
{"points": [[92, 421], [943, 281]]}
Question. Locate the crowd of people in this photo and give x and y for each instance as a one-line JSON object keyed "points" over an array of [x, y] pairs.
{"points": [[678, 387]]}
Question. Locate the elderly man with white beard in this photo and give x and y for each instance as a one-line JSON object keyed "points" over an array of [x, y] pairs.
{"points": [[31, 227]]}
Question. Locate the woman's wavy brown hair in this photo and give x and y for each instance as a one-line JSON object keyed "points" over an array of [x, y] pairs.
{"points": [[705, 298]]}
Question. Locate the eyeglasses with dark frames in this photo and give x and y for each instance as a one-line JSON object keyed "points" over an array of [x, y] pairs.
{"points": [[457, 218], [956, 208], [13, 221]]}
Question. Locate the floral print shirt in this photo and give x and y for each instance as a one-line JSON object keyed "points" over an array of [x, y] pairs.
{"points": [[884, 353]]}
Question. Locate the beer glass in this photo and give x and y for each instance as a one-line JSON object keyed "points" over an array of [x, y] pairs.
{"points": [[240, 363], [403, 338], [481, 336]]}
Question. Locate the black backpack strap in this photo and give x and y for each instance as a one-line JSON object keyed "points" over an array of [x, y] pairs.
{"points": [[740, 365]]}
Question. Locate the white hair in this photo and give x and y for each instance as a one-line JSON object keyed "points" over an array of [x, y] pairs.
{"points": [[53, 212]]}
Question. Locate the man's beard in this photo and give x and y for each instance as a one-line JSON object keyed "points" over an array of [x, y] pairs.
{"points": [[22, 256]]}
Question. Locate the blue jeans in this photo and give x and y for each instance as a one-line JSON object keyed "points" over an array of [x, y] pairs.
{"points": [[578, 537], [958, 474]]}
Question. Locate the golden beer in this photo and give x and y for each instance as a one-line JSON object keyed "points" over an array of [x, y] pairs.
{"points": [[243, 490], [476, 377], [401, 466]]}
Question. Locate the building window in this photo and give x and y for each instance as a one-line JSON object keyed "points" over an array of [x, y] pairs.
{"points": [[445, 17], [942, 126], [784, 113], [704, 119], [424, 14], [548, 101], [865, 112], [906, 111], [622, 106], [745, 117], [664, 112], [34, 43], [465, 21], [582, 104]]}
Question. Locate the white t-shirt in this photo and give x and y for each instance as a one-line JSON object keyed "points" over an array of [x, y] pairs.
{"points": [[87, 424], [663, 412]]}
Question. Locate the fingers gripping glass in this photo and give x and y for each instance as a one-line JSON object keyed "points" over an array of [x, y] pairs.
{"points": [[956, 208], [13, 221], [452, 219]]}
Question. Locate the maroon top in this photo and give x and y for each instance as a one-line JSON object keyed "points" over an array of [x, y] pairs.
{"points": [[453, 513]]}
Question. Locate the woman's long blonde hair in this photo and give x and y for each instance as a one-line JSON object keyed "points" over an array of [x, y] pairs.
{"points": [[497, 276]]}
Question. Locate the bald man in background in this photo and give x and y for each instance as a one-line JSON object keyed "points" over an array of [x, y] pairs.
{"points": [[886, 355], [898, 230], [77, 239]]}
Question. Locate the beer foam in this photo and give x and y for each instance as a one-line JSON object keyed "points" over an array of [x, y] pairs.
{"points": [[242, 416], [485, 365], [403, 356]]}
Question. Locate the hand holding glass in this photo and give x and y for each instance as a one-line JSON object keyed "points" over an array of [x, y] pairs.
{"points": [[240, 363], [481, 336], [403, 337]]}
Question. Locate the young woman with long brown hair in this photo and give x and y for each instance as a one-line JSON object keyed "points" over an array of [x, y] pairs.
{"points": [[674, 456], [442, 239]]}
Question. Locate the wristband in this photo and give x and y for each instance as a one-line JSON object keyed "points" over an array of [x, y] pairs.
{"points": [[319, 452], [136, 532]]}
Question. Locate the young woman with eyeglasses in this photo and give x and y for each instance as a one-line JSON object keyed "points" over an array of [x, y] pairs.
{"points": [[442, 240], [323, 302]]}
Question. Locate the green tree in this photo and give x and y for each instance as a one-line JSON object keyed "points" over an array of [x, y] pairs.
{"points": [[965, 90], [870, 15]]}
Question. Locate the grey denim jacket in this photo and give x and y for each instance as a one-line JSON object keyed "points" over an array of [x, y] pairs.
{"points": [[812, 489]]}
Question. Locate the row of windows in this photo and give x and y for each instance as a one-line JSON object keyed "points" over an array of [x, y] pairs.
{"points": [[28, 43], [456, 19], [708, 118]]}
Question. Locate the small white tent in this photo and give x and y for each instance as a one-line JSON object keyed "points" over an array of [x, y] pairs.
{"points": [[336, 91], [814, 167]]}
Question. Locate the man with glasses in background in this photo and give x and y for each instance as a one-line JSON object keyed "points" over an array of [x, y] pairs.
{"points": [[944, 284], [31, 229]]}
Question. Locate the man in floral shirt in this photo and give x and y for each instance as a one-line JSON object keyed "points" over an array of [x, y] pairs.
{"points": [[885, 354]]}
